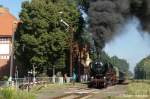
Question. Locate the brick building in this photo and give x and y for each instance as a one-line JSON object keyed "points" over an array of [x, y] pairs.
{"points": [[8, 25]]}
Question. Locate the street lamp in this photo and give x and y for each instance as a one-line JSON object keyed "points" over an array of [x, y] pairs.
{"points": [[70, 28], [65, 23]]}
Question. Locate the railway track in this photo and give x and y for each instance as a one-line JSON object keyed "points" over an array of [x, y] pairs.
{"points": [[74, 96], [83, 92], [87, 93], [77, 93]]}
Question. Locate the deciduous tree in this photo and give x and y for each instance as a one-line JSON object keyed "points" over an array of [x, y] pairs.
{"points": [[41, 38]]}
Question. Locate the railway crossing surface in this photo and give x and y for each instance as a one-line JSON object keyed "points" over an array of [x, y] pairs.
{"points": [[82, 92], [87, 93]]}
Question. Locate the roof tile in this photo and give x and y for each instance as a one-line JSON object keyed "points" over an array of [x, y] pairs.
{"points": [[7, 22]]}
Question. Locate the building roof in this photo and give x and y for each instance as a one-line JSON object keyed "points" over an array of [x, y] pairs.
{"points": [[8, 23]]}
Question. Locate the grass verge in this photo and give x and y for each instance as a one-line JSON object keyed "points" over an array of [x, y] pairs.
{"points": [[12, 93]]}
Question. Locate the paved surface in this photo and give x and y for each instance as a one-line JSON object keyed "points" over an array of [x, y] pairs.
{"points": [[117, 90], [74, 92]]}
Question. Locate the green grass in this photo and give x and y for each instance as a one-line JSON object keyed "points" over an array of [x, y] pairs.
{"points": [[135, 90], [138, 89], [112, 97], [12, 93]]}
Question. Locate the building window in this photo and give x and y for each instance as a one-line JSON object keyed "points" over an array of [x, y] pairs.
{"points": [[4, 57], [4, 40]]}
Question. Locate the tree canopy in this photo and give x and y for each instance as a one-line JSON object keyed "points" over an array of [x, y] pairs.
{"points": [[122, 64], [41, 38], [142, 69]]}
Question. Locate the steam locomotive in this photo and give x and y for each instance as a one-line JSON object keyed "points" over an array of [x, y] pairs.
{"points": [[104, 74]]}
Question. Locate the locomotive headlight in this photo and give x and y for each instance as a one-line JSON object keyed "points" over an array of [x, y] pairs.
{"points": [[104, 77]]}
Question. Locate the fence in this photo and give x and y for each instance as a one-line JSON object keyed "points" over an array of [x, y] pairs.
{"points": [[28, 81]]}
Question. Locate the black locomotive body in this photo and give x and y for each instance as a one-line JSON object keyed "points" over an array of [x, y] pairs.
{"points": [[104, 74]]}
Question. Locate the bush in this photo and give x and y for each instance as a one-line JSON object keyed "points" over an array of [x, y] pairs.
{"points": [[4, 78]]}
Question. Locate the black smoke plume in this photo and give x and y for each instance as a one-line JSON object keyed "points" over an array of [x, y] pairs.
{"points": [[107, 16], [141, 9]]}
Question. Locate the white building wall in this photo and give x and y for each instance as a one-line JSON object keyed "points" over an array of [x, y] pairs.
{"points": [[5, 46]]}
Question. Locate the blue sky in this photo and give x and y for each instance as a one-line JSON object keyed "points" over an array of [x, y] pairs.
{"points": [[131, 44], [14, 6]]}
